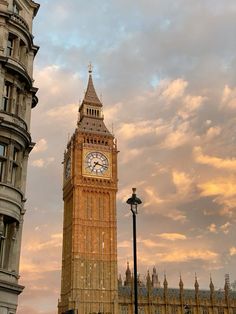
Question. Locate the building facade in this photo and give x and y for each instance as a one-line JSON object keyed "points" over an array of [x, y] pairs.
{"points": [[156, 299], [89, 258], [18, 97]]}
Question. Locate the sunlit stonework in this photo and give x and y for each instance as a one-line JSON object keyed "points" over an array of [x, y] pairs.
{"points": [[89, 262]]}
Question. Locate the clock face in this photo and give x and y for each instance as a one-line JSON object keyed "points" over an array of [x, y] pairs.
{"points": [[68, 168], [96, 163]]}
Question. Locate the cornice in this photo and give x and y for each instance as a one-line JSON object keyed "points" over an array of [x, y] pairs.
{"points": [[33, 5], [12, 127], [11, 287]]}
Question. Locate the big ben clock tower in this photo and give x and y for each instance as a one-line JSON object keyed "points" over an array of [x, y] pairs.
{"points": [[89, 257]]}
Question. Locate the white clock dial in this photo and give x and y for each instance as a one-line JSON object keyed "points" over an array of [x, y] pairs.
{"points": [[96, 163]]}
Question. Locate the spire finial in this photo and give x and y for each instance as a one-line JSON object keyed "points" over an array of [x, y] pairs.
{"points": [[211, 284], [196, 285], [181, 284], [90, 68]]}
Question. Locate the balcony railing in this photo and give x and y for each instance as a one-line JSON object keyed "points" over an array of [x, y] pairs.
{"points": [[12, 118], [18, 19]]}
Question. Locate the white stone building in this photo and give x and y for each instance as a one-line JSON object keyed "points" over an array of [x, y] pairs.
{"points": [[17, 98]]}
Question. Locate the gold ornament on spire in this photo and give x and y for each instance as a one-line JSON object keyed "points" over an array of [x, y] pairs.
{"points": [[90, 68]]}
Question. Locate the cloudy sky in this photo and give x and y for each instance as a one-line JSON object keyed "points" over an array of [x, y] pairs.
{"points": [[165, 70]]}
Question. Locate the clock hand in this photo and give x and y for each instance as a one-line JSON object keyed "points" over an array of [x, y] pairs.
{"points": [[102, 165], [95, 164]]}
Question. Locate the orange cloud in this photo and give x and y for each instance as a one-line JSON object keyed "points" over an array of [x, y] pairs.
{"points": [[182, 181], [176, 215], [178, 137], [188, 255], [219, 163], [149, 243], [219, 186], [131, 130], [128, 155], [112, 113], [232, 251], [63, 113], [152, 197], [229, 97], [212, 228], [42, 163], [225, 227], [175, 89], [191, 104], [172, 236], [213, 132]]}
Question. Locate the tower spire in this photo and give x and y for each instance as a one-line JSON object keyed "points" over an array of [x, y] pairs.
{"points": [[90, 111], [90, 97]]}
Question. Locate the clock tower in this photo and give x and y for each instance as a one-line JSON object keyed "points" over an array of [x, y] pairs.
{"points": [[89, 254]]}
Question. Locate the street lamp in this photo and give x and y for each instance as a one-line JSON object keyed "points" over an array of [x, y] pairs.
{"points": [[134, 201]]}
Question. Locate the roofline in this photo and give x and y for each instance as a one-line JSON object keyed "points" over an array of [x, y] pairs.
{"points": [[34, 5]]}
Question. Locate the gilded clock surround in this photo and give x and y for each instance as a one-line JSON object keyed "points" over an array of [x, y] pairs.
{"points": [[97, 163]]}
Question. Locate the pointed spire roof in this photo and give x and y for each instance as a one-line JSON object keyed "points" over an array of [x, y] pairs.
{"points": [[196, 284], [181, 284], [148, 278], [90, 117], [165, 283], [90, 96], [211, 285], [128, 272]]}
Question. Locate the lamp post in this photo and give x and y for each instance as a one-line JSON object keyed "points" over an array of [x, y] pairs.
{"points": [[134, 201]]}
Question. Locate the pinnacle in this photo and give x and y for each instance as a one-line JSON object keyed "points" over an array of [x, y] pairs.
{"points": [[90, 94]]}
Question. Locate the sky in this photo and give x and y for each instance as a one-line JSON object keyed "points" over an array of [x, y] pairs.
{"points": [[165, 72]]}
